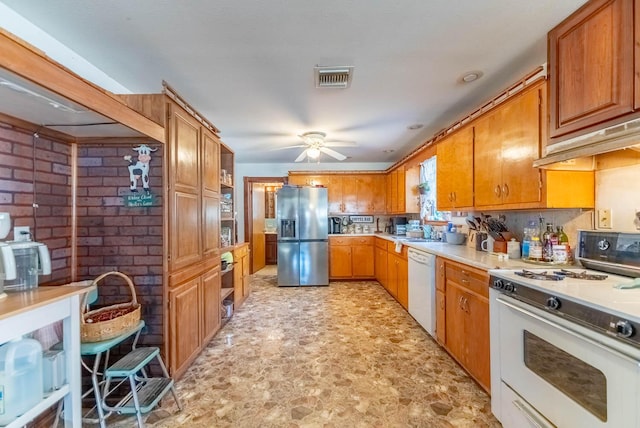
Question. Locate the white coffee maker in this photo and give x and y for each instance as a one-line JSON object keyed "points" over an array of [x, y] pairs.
{"points": [[32, 259], [7, 260]]}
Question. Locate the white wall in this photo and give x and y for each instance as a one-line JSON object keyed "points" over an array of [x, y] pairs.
{"points": [[16, 24], [282, 170], [619, 190]]}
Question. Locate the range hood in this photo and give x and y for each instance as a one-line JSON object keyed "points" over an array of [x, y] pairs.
{"points": [[616, 137]]}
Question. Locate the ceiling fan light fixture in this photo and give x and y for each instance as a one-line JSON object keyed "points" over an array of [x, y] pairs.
{"points": [[313, 153]]}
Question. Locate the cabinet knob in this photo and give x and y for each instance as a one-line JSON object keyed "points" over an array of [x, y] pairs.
{"points": [[498, 191], [505, 190], [454, 196]]}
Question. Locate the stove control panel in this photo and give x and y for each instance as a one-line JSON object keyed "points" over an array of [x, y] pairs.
{"points": [[624, 329], [504, 285]]}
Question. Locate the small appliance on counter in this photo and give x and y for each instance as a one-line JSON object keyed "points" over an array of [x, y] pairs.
{"points": [[32, 260], [335, 225], [7, 259], [399, 225]]}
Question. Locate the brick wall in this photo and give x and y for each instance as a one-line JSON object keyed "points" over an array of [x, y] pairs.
{"points": [[50, 223], [112, 236]]}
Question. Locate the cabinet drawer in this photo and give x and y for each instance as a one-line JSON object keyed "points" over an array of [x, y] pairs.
{"points": [[362, 240], [475, 280], [335, 241], [381, 243], [240, 251]]}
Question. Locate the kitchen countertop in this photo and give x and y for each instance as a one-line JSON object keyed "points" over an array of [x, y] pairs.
{"points": [[458, 253]]}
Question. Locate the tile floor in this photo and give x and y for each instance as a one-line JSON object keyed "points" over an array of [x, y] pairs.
{"points": [[347, 355]]}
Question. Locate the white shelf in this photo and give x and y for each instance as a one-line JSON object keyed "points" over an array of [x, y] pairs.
{"points": [[43, 405]]}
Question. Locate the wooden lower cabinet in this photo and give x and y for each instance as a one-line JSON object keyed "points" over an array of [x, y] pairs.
{"points": [[271, 249], [194, 314], [351, 257], [466, 318], [380, 262], [210, 304], [398, 274], [241, 277], [441, 335]]}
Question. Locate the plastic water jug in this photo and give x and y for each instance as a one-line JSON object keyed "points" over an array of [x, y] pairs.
{"points": [[20, 378]]}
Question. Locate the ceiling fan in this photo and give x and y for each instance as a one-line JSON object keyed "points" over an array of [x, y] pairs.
{"points": [[315, 144]]}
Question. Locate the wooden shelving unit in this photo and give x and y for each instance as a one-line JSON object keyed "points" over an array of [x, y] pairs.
{"points": [[228, 233]]}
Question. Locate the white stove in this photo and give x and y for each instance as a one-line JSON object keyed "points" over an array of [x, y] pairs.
{"points": [[565, 351]]}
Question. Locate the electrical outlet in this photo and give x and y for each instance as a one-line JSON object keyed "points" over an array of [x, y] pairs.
{"points": [[604, 219], [636, 220], [21, 233]]}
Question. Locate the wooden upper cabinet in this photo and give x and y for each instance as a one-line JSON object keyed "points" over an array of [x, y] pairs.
{"points": [[507, 141], [591, 66], [210, 162], [371, 191], [454, 174], [184, 146]]}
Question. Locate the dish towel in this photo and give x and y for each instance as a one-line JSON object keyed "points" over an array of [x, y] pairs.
{"points": [[625, 285], [398, 247]]}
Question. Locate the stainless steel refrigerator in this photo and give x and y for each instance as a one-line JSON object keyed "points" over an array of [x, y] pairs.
{"points": [[303, 244]]}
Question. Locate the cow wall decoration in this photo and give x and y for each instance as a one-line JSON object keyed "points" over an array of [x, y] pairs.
{"points": [[140, 169]]}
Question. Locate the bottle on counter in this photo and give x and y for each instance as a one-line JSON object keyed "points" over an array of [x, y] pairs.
{"points": [[564, 249], [535, 249], [549, 240], [529, 231]]}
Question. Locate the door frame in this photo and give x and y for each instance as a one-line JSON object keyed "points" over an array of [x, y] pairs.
{"points": [[248, 208]]}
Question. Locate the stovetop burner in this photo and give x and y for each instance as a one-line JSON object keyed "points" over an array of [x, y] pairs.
{"points": [[541, 276], [581, 275]]}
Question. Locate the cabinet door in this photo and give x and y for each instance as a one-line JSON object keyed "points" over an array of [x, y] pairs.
{"points": [[340, 261], [362, 261], [210, 162], [487, 168], [454, 321], [522, 128], [477, 338], [454, 173], [412, 196], [246, 278], [185, 237], [334, 192], [381, 266], [389, 193], [365, 190], [401, 200], [378, 197], [403, 282], [440, 317], [210, 224], [392, 274], [349, 194], [184, 151], [184, 325], [210, 304], [591, 66], [394, 191]]}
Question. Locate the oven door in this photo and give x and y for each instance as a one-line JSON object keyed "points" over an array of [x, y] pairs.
{"points": [[572, 376]]}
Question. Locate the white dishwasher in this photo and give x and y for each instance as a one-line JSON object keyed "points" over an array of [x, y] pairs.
{"points": [[422, 289]]}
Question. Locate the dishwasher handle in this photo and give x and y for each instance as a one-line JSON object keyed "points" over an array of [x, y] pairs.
{"points": [[421, 257]]}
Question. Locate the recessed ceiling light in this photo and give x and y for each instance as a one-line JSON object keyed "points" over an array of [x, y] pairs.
{"points": [[415, 126], [471, 76], [389, 151]]}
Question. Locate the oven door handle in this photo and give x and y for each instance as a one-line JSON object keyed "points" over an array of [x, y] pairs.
{"points": [[531, 415], [595, 343]]}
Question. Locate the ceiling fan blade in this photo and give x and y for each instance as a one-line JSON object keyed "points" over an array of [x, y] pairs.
{"points": [[302, 156], [288, 147], [333, 153]]}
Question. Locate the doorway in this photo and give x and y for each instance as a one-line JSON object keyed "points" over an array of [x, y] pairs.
{"points": [[259, 218]]}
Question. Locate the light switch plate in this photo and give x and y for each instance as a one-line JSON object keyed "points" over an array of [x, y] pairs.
{"points": [[604, 218]]}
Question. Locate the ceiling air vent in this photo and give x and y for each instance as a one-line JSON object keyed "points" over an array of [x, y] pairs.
{"points": [[333, 77]]}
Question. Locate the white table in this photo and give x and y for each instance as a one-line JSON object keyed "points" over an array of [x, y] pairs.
{"points": [[25, 311]]}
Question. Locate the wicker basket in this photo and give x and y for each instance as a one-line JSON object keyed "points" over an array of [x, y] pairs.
{"points": [[110, 321]]}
